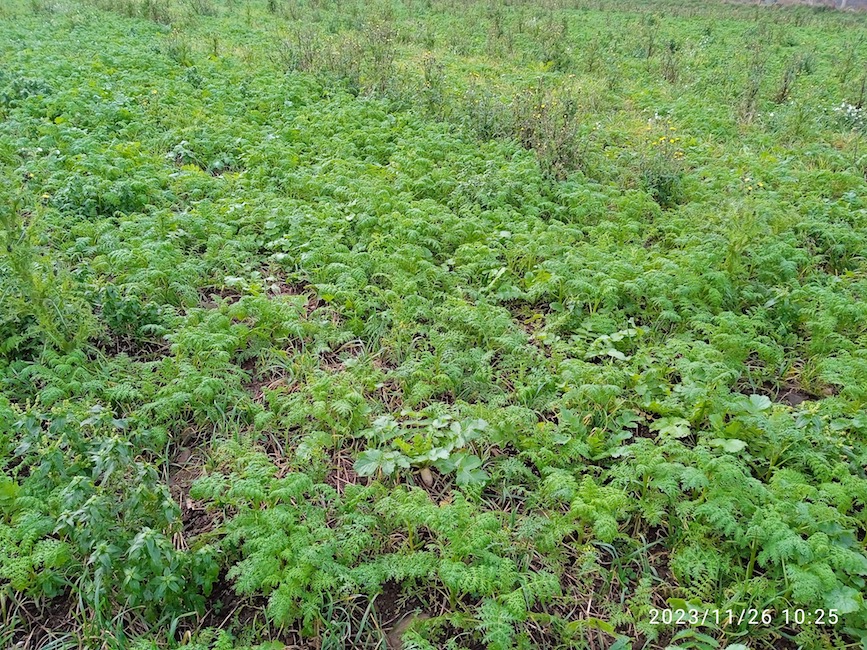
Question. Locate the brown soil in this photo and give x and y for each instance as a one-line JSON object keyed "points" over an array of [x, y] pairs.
{"points": [[397, 613], [390, 393], [210, 297], [258, 383], [226, 610], [185, 468], [257, 387], [53, 619], [342, 473], [113, 345], [334, 360], [276, 285], [530, 318], [643, 429], [790, 393], [441, 488], [279, 286]]}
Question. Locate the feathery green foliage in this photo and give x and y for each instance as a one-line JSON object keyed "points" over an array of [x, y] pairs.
{"points": [[500, 325]]}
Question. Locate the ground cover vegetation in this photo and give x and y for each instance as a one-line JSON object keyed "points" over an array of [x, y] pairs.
{"points": [[430, 324]]}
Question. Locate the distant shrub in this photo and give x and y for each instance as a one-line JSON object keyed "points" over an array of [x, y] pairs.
{"points": [[177, 47], [344, 59], [799, 64], [433, 89], [659, 164], [553, 40], [670, 63], [378, 39], [548, 122], [753, 83], [301, 51], [202, 7]]}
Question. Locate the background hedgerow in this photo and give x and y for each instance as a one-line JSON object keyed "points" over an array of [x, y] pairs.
{"points": [[430, 324]]}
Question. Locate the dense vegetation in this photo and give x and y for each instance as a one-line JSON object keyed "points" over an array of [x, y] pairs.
{"points": [[431, 324]]}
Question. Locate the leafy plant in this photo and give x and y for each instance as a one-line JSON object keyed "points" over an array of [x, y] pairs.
{"points": [[423, 442]]}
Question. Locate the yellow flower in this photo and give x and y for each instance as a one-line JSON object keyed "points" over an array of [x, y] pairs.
{"points": [[46, 196], [154, 91]]}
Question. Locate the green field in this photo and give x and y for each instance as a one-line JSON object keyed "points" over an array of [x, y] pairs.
{"points": [[428, 324]]}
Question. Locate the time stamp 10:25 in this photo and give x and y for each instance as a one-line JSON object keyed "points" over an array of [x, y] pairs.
{"points": [[736, 617]]}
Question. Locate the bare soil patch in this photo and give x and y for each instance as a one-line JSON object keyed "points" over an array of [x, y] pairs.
{"points": [[342, 472], [789, 392], [210, 297], [530, 318], [397, 612], [187, 466], [44, 622]]}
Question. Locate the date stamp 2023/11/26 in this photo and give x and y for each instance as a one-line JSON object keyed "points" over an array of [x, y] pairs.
{"points": [[736, 618]]}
